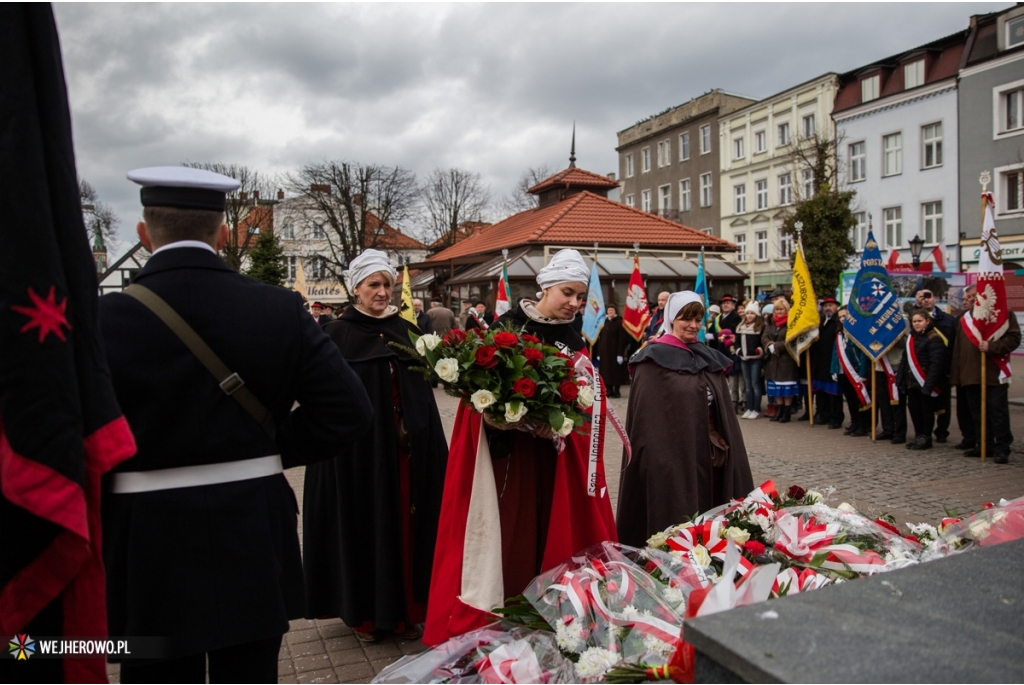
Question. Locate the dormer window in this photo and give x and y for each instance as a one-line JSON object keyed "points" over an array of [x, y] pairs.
{"points": [[869, 89], [1015, 32], [913, 74]]}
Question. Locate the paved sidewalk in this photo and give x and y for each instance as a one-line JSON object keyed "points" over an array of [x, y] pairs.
{"points": [[874, 477]]}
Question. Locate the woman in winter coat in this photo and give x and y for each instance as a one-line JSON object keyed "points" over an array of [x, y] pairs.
{"points": [[920, 376], [751, 354], [781, 371]]}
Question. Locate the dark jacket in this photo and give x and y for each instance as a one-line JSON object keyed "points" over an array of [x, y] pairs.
{"points": [[965, 368], [932, 355], [216, 565]]}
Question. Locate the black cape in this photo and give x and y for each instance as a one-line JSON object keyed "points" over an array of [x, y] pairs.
{"points": [[565, 337], [352, 518]]}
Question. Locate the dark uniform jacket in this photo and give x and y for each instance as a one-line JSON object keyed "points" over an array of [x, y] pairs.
{"points": [[932, 355], [216, 565]]}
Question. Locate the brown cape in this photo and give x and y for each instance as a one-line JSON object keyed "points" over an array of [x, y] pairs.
{"points": [[670, 477]]}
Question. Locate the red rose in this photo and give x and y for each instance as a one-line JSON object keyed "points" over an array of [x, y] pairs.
{"points": [[569, 391], [506, 339], [454, 336], [531, 338], [525, 387], [533, 355], [754, 547], [485, 357], [479, 333], [888, 526], [796, 492]]}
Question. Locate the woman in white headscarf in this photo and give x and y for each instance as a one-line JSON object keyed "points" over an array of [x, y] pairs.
{"points": [[370, 515], [524, 504], [688, 451]]}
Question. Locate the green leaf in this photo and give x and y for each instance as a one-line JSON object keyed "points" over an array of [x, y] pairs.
{"points": [[556, 419]]}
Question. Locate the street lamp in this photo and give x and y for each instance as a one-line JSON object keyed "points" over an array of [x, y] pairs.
{"points": [[916, 243]]}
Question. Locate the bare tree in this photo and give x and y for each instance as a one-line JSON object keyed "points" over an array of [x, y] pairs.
{"points": [[451, 198], [241, 211], [99, 217], [520, 199], [351, 203]]}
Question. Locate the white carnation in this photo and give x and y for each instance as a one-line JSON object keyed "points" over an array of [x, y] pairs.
{"points": [[514, 413], [763, 521], [427, 342], [586, 397], [567, 426], [447, 369], [675, 597], [655, 646], [482, 399], [568, 637], [595, 662], [923, 530]]}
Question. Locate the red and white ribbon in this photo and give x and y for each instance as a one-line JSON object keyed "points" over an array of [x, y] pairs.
{"points": [[890, 381], [1001, 361], [807, 541], [514, 662], [915, 366], [851, 373]]}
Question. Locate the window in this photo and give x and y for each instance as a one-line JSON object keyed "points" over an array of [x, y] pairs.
{"points": [[893, 226], [760, 141], [254, 230], [684, 146], [869, 89], [287, 230], [893, 147], [665, 199], [1014, 32], [737, 148], [1013, 182], [684, 195], [630, 201], [785, 189], [740, 193], [859, 233], [629, 165], [913, 74], [783, 134], [741, 242], [317, 268], [761, 193], [705, 190], [858, 162], [1011, 111], [318, 231], [785, 246], [808, 175], [293, 267], [808, 122], [931, 221], [761, 245], [931, 140], [645, 200], [705, 139], [646, 159], [664, 153]]}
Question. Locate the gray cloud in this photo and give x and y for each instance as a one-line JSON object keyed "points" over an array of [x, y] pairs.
{"points": [[490, 88]]}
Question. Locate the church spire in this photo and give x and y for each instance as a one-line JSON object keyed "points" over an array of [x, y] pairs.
{"points": [[572, 151]]}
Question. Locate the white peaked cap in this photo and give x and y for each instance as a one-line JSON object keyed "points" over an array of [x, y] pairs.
{"points": [[183, 187]]}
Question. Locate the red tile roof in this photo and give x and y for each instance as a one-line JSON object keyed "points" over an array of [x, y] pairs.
{"points": [[575, 177], [583, 219], [393, 239]]}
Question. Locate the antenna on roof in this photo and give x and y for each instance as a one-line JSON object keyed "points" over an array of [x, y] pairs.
{"points": [[572, 151]]}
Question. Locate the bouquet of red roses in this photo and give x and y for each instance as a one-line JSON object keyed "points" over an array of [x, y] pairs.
{"points": [[510, 376]]}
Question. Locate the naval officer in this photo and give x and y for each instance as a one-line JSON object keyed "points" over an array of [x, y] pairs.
{"points": [[200, 538]]}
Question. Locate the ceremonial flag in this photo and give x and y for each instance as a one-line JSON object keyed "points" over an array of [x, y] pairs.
{"points": [[637, 316], [894, 259], [61, 428], [989, 319], [299, 285], [503, 302], [875, 322], [408, 313], [594, 314], [802, 329], [701, 288], [938, 258]]}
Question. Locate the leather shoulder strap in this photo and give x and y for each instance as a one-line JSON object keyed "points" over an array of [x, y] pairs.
{"points": [[231, 383]]}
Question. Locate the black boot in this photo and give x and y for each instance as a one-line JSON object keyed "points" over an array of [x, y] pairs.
{"points": [[778, 412], [787, 411]]}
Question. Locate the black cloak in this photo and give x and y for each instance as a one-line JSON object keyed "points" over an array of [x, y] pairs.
{"points": [[353, 504]]}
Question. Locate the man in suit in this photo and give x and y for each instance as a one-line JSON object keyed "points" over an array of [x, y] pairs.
{"points": [[422, 320], [199, 528]]}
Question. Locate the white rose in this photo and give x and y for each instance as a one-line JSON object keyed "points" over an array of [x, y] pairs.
{"points": [[567, 426], [701, 555], [657, 540], [586, 397], [447, 369], [848, 508], [427, 342], [737, 535], [482, 399], [979, 529], [514, 411], [813, 497]]}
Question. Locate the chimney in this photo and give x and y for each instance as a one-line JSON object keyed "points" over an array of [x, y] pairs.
{"points": [[280, 194], [320, 188], [256, 195], [357, 200], [243, 196]]}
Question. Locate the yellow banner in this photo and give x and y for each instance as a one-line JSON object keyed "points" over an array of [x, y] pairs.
{"points": [[408, 313], [804, 320], [299, 285]]}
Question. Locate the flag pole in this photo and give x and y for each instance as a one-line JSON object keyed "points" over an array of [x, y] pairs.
{"points": [[985, 178], [810, 394], [874, 413]]}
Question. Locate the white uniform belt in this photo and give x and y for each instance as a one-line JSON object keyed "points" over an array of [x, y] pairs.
{"points": [[192, 476]]}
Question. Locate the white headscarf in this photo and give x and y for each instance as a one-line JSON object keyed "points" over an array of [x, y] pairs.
{"points": [[366, 264], [567, 266], [676, 301]]}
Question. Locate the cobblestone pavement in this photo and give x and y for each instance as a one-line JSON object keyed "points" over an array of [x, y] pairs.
{"points": [[874, 477]]}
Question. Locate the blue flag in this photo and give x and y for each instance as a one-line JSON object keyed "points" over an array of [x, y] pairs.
{"points": [[701, 289], [594, 315], [875, 322]]}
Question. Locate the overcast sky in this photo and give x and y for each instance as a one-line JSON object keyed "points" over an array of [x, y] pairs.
{"points": [[488, 88]]}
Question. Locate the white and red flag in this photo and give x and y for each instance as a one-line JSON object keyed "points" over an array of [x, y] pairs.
{"points": [[939, 258], [503, 302], [638, 314], [989, 319]]}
